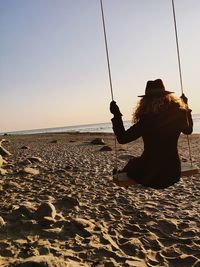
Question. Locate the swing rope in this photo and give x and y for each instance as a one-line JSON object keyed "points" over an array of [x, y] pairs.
{"points": [[109, 73], [180, 72], [177, 47], [106, 47]]}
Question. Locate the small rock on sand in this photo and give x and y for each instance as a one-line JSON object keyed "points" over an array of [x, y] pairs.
{"points": [[4, 152], [106, 148], [45, 210], [98, 141], [25, 147], [34, 159], [30, 170], [54, 141], [67, 202]]}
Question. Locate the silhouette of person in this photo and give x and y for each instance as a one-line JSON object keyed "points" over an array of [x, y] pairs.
{"points": [[160, 117]]}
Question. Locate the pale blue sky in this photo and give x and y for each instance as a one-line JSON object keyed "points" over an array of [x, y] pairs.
{"points": [[53, 68]]}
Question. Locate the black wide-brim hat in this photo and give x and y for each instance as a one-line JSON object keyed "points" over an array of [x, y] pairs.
{"points": [[155, 88]]}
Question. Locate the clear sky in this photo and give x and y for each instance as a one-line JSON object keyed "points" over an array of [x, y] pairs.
{"points": [[53, 68]]}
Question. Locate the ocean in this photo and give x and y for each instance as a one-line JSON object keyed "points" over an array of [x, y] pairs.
{"points": [[99, 127]]}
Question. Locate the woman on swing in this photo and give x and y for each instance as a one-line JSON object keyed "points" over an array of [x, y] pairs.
{"points": [[159, 119]]}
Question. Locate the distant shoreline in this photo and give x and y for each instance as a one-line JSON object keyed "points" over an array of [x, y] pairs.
{"points": [[103, 127]]}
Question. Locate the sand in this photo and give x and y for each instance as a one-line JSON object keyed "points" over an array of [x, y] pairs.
{"points": [[59, 207]]}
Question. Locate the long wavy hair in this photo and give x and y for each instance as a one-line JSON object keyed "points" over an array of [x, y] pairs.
{"points": [[156, 104]]}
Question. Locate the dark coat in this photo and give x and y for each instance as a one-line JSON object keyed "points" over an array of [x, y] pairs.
{"points": [[159, 164]]}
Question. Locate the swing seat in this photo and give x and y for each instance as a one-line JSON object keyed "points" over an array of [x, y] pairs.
{"points": [[188, 170], [121, 179]]}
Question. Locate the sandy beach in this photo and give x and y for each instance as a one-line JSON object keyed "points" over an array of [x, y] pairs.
{"points": [[59, 207]]}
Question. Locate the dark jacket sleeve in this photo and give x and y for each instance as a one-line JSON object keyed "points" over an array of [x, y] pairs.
{"points": [[188, 125], [125, 136]]}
